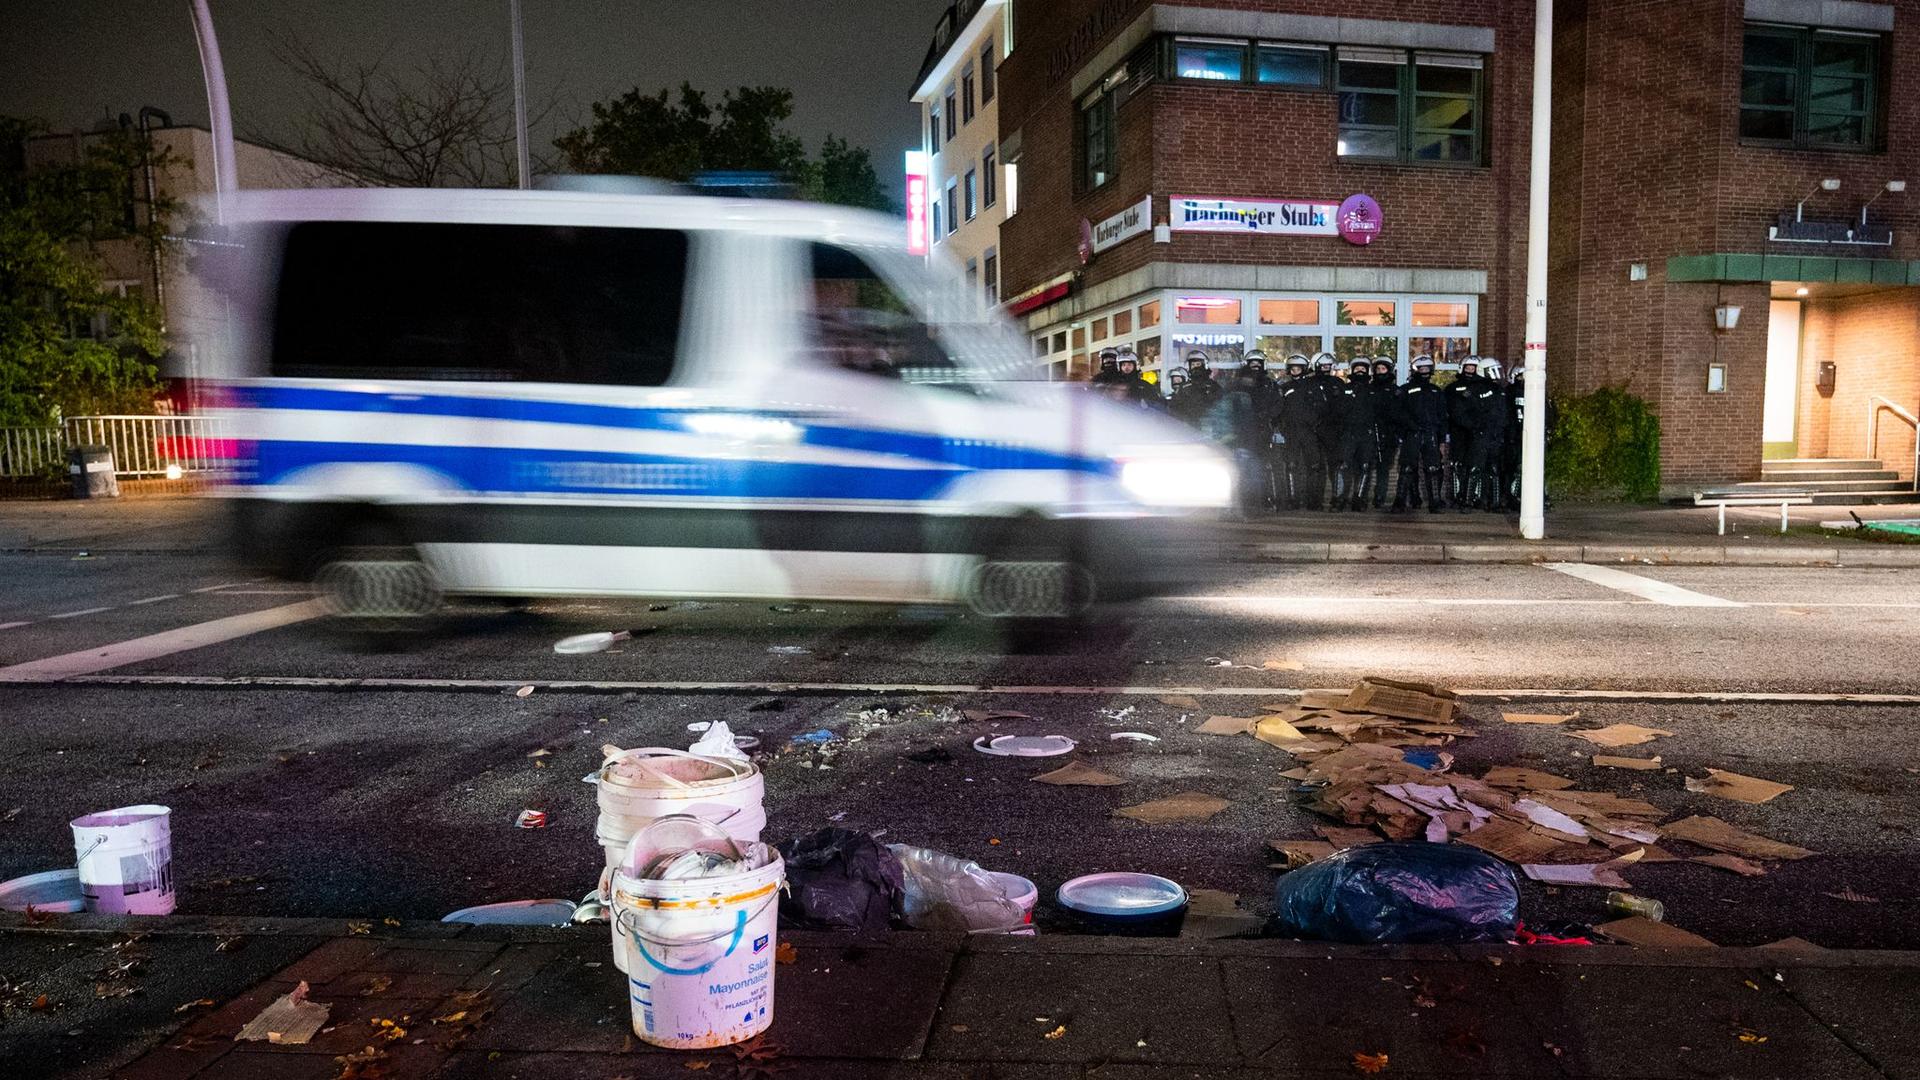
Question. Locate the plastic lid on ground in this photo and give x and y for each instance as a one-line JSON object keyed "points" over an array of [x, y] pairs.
{"points": [[1122, 894], [50, 890], [1025, 745], [516, 913]]}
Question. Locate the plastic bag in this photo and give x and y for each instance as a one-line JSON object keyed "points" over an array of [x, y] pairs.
{"points": [[717, 741], [946, 892], [839, 879], [1403, 893]]}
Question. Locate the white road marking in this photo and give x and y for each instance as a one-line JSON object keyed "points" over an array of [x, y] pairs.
{"points": [[154, 599], [166, 643], [77, 614], [294, 682], [11, 625], [228, 585], [1644, 587], [1420, 601]]}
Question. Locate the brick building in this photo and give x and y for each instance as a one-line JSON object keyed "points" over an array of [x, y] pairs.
{"points": [[1191, 174]]}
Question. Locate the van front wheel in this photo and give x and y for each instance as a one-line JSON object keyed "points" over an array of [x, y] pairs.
{"points": [[378, 583]]}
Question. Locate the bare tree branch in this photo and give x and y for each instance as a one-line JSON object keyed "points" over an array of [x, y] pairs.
{"points": [[445, 122]]}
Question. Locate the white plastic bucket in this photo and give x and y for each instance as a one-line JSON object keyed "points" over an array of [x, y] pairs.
{"points": [[699, 954], [125, 860], [723, 791], [1020, 891]]}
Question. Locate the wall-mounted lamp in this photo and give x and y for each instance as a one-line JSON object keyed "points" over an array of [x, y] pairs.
{"points": [[1726, 317], [1895, 186], [1801, 291], [1829, 184]]}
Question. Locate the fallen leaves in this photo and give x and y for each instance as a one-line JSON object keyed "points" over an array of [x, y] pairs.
{"points": [[1057, 1033], [359, 929], [785, 953], [379, 984], [1369, 1063]]}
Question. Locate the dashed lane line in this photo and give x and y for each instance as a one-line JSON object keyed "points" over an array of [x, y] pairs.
{"points": [[77, 614], [1646, 588], [165, 643]]}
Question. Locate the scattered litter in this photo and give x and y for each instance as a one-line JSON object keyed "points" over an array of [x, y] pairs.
{"points": [[290, 1021], [515, 913], [788, 650], [1852, 897], [1731, 862], [1078, 774], [1510, 776], [1298, 853], [1025, 745], [1343, 838], [1614, 736], [994, 715], [813, 738], [1711, 832], [1638, 930], [1438, 761], [1126, 902], [1604, 875], [1608, 761], [1318, 699], [590, 643], [1118, 714], [1284, 665], [1551, 820], [1132, 736], [1513, 842], [1278, 732], [1750, 1037], [1746, 789], [1057, 1033], [719, 741], [839, 879], [1181, 701], [1400, 893], [524, 691], [1226, 725], [1407, 700], [1219, 661], [531, 819], [944, 892], [1536, 718], [785, 953], [1188, 806], [1369, 1063], [542, 752]]}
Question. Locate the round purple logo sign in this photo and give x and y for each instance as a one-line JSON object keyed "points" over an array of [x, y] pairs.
{"points": [[1359, 219]]}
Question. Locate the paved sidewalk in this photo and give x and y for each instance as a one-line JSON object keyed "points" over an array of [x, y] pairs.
{"points": [[498, 1002]]}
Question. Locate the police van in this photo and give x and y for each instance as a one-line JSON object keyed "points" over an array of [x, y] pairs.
{"points": [[575, 393]]}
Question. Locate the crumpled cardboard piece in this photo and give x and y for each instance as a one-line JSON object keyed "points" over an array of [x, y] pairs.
{"points": [[1641, 931], [1322, 699], [1734, 863], [1608, 761], [1512, 776], [1536, 718], [1600, 802], [1410, 700], [1343, 837], [1295, 854], [1729, 785], [1275, 731], [1226, 725], [1509, 840], [290, 1020], [1711, 832], [1078, 774], [1604, 875], [1447, 813], [1614, 736], [1188, 806], [1551, 821]]}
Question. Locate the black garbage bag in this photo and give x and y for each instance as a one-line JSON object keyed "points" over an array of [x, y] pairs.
{"points": [[1413, 893], [839, 879]]}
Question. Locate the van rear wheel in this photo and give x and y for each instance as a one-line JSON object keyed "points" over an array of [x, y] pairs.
{"points": [[1033, 584], [377, 583]]}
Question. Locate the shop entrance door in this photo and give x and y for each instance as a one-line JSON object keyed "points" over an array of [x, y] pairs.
{"points": [[1783, 381]]}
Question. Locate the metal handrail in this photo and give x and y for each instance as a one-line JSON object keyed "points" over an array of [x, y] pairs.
{"points": [[1875, 404]]}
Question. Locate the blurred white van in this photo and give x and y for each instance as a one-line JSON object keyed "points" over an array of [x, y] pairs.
{"points": [[541, 393]]}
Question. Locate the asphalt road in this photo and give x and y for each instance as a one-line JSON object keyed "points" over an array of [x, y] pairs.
{"points": [[333, 797]]}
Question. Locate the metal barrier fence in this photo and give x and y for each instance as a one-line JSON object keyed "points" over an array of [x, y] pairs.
{"points": [[142, 445]]}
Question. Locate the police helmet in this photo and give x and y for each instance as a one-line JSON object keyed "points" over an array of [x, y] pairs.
{"points": [[1296, 361], [1470, 366], [1362, 366], [1423, 364], [1323, 361], [1109, 357], [1255, 360], [1176, 377], [1197, 356], [1383, 362], [1490, 368]]}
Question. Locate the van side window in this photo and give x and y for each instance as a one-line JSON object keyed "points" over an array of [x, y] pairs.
{"points": [[861, 324], [521, 303]]}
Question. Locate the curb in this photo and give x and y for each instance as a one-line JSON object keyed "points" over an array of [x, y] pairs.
{"points": [[419, 932], [1638, 554]]}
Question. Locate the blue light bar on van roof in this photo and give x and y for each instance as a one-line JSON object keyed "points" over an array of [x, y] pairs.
{"points": [[745, 182]]}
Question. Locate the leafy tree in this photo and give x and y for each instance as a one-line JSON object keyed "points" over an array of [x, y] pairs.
{"points": [[678, 135], [68, 347]]}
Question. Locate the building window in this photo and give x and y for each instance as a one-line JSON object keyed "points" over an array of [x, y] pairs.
{"points": [[953, 116], [1433, 313], [1291, 65], [973, 195], [1099, 329], [973, 275], [986, 72], [1289, 312], [937, 234], [933, 129], [1363, 313], [1097, 165], [1013, 188], [1040, 347], [1216, 61], [1149, 314], [966, 96], [990, 276], [989, 189], [1419, 108], [1079, 338], [1060, 341], [1207, 310], [953, 207], [1810, 88], [1123, 323]]}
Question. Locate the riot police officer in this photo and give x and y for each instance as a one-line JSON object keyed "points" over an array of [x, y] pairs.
{"points": [[1296, 416], [1327, 424], [1109, 372], [1386, 429], [1138, 390], [1488, 436], [1357, 416], [1193, 400], [1423, 414], [1461, 393]]}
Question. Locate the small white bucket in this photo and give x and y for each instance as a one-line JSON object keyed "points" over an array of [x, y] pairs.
{"points": [[699, 953], [125, 860], [723, 791]]}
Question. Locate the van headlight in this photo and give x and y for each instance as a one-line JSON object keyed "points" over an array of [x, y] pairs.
{"points": [[1178, 479]]}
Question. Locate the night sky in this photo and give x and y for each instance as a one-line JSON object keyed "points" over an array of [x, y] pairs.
{"points": [[848, 62]]}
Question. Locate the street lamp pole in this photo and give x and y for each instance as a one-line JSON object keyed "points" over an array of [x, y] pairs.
{"points": [[226, 175], [522, 156], [1533, 441]]}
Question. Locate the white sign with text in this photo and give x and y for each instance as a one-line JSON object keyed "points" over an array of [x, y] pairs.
{"points": [[1272, 217]]}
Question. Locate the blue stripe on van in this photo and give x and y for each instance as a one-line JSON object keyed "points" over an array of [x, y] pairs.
{"points": [[972, 453]]}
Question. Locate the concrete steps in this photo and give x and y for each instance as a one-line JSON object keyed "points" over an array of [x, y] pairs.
{"points": [[1829, 481]]}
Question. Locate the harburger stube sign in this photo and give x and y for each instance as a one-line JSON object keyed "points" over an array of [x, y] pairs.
{"points": [[1123, 226]]}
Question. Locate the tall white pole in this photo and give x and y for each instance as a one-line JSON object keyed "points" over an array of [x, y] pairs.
{"points": [[522, 155], [226, 175], [1533, 439]]}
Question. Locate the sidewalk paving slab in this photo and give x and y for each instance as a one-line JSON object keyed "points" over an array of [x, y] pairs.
{"points": [[1514, 552], [1738, 555], [1858, 1007]]}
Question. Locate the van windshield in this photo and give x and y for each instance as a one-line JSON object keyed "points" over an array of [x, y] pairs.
{"points": [[886, 316]]}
